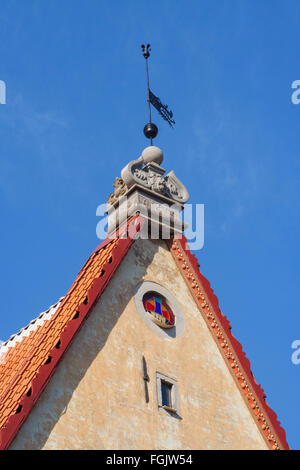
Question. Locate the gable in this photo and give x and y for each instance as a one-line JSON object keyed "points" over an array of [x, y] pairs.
{"points": [[27, 367], [96, 398]]}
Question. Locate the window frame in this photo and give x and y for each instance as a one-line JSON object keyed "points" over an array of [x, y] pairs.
{"points": [[168, 333], [174, 408]]}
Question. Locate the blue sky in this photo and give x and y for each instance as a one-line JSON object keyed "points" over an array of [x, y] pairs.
{"points": [[74, 113]]}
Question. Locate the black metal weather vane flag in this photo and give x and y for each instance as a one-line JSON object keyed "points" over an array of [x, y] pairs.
{"points": [[151, 130], [163, 110]]}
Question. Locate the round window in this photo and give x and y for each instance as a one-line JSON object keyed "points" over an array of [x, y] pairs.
{"points": [[158, 310]]}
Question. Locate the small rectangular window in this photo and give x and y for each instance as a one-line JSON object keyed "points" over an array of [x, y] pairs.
{"points": [[167, 393]]}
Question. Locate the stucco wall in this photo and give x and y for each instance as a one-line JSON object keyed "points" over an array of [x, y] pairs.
{"points": [[96, 398]]}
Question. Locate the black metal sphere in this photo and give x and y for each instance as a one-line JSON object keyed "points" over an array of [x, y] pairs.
{"points": [[150, 130]]}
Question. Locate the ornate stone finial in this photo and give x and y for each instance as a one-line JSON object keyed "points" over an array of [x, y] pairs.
{"points": [[145, 189], [147, 172]]}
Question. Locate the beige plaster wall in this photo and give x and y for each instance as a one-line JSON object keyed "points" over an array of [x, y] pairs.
{"points": [[96, 398]]}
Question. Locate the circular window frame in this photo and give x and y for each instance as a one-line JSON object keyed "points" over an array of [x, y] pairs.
{"points": [[146, 287], [158, 321]]}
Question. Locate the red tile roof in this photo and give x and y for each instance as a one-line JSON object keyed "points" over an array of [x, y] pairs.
{"points": [[29, 359], [26, 368]]}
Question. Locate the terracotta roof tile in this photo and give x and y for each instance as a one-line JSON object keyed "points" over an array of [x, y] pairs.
{"points": [[23, 358]]}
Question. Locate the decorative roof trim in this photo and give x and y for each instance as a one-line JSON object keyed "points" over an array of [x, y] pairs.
{"points": [[45, 372], [231, 349], [32, 326]]}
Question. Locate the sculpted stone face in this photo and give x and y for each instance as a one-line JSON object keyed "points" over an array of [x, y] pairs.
{"points": [[120, 189]]}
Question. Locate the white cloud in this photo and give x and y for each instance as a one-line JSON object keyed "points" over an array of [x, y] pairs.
{"points": [[20, 115]]}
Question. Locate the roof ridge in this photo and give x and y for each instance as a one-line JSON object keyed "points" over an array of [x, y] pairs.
{"points": [[32, 322]]}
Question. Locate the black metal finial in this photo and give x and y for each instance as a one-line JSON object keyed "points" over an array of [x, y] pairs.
{"points": [[146, 50], [150, 129]]}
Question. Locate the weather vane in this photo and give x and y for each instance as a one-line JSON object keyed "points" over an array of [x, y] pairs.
{"points": [[150, 129]]}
